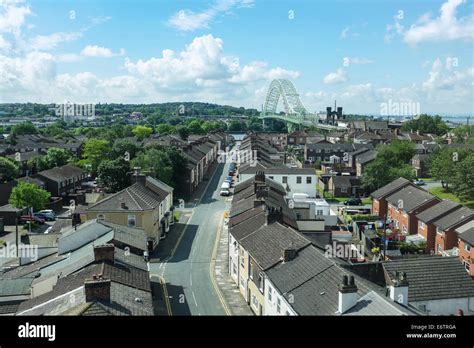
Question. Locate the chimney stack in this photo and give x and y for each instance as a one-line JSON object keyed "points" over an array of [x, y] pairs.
{"points": [[399, 289], [97, 289], [289, 254], [104, 252], [347, 294]]}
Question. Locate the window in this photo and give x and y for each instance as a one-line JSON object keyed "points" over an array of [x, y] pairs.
{"points": [[291, 140], [271, 177], [319, 212], [242, 258], [440, 248], [298, 216], [422, 224], [405, 230], [344, 189], [308, 180], [467, 247], [234, 270], [270, 290], [260, 282], [250, 270], [287, 313], [254, 302], [285, 179], [298, 179], [242, 282], [467, 266], [131, 221], [278, 305], [301, 140]]}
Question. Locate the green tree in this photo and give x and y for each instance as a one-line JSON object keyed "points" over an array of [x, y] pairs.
{"points": [[95, 151], [122, 146], [8, 169], [24, 128], [195, 127], [114, 175], [427, 124], [142, 132], [443, 164], [183, 132], [463, 180], [157, 162], [56, 157], [26, 195], [164, 128]]}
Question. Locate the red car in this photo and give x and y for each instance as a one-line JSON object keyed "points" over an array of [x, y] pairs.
{"points": [[25, 218]]}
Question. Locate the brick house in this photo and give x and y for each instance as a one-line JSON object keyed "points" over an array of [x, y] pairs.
{"points": [[63, 180], [405, 204], [426, 228], [446, 237], [466, 247], [379, 202]]}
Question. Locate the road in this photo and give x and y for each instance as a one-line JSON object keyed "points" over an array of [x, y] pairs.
{"points": [[187, 271]]}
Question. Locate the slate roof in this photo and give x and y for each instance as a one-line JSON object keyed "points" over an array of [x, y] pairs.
{"points": [[345, 180], [248, 226], [9, 307], [307, 263], [467, 236], [437, 210], [236, 219], [267, 243], [390, 188], [62, 173], [137, 197], [412, 198], [366, 156], [118, 273], [134, 237], [433, 278], [454, 218], [15, 287], [242, 205], [374, 304]]}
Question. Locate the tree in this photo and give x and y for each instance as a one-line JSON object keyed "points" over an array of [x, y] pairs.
{"points": [[122, 146], [26, 195], [463, 180], [183, 132], [391, 163], [57, 157], [164, 128], [23, 129], [157, 162], [95, 151], [8, 169], [195, 127], [427, 124], [114, 175], [443, 164], [142, 132]]}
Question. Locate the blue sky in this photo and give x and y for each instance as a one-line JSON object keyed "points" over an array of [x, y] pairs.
{"points": [[362, 53]]}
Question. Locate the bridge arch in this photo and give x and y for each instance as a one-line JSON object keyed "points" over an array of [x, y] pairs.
{"points": [[284, 89]]}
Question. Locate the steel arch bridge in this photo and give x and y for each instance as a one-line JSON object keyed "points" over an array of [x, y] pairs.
{"points": [[295, 114]]}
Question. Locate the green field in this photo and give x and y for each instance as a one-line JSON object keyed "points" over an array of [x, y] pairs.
{"points": [[441, 193]]}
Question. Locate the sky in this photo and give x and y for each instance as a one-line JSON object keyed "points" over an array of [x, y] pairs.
{"points": [[364, 53]]}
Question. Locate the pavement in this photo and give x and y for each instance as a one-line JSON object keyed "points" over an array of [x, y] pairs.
{"points": [[185, 267]]}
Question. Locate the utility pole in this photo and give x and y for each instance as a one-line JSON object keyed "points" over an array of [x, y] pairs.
{"points": [[384, 236]]}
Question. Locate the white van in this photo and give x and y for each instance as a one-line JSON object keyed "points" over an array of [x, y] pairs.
{"points": [[225, 185]]}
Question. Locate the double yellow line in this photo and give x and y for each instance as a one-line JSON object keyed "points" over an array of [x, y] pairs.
{"points": [[165, 295]]}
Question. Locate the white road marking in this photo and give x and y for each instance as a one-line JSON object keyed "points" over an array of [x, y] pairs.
{"points": [[191, 280], [194, 297]]}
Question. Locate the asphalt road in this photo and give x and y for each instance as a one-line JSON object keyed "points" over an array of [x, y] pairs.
{"points": [[187, 272]]}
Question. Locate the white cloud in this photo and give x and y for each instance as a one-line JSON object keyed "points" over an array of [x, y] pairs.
{"points": [[98, 51], [359, 61], [49, 42], [344, 32], [336, 77], [187, 20], [4, 44], [12, 15], [446, 27]]}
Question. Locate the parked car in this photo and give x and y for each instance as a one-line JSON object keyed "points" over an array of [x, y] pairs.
{"points": [[25, 218], [48, 215], [231, 173], [419, 182], [225, 192], [353, 201]]}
